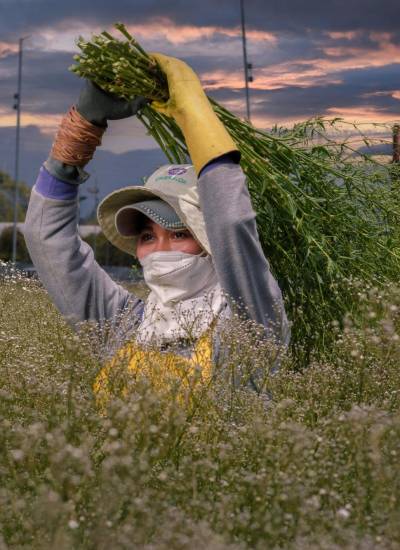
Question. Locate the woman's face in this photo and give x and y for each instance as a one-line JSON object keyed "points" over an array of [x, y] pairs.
{"points": [[155, 238]]}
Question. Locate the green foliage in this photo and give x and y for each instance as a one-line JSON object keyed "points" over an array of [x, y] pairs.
{"points": [[323, 219], [7, 186], [316, 467], [6, 237]]}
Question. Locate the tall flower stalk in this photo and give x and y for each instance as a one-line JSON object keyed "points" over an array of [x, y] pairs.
{"points": [[323, 220]]}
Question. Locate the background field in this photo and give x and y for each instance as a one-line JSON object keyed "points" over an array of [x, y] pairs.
{"points": [[316, 467]]}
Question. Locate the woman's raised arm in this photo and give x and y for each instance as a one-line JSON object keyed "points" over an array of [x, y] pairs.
{"points": [[242, 269], [78, 286]]}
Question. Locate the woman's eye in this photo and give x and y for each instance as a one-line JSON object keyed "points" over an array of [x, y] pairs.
{"points": [[145, 237], [181, 234]]}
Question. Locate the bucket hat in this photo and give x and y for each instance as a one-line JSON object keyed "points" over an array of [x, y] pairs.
{"points": [[129, 219], [176, 185]]}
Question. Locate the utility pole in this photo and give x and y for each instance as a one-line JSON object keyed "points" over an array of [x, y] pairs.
{"points": [[17, 106], [247, 66]]}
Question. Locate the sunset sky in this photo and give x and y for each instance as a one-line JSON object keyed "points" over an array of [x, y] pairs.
{"points": [[336, 58]]}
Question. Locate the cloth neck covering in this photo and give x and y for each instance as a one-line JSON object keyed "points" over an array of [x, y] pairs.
{"points": [[185, 297]]}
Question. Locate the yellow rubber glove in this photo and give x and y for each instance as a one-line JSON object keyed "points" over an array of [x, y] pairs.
{"points": [[206, 137]]}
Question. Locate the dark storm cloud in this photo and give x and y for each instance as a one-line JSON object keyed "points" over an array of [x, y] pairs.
{"points": [[50, 89], [111, 170], [48, 86], [353, 92], [24, 16], [302, 31], [357, 90]]}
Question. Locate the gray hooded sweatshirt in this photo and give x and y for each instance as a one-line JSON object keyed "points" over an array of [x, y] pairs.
{"points": [[83, 291]]}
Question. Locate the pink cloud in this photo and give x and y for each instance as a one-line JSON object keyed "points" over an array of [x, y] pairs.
{"points": [[347, 35], [179, 34], [349, 57], [6, 48], [47, 123], [270, 78], [296, 72], [319, 71], [364, 114], [391, 93], [158, 30]]}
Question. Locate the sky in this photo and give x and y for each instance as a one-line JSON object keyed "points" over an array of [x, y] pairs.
{"points": [[333, 59]]}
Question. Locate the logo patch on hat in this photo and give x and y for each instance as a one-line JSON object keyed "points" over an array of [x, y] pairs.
{"points": [[177, 171]]}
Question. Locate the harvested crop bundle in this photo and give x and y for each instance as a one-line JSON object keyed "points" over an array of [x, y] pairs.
{"points": [[323, 221]]}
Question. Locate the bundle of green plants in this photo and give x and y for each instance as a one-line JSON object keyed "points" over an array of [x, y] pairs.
{"points": [[323, 219]]}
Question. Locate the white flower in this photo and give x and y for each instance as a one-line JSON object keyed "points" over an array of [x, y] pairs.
{"points": [[343, 513], [17, 454], [73, 524]]}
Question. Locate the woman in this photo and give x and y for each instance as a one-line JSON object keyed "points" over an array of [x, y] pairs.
{"points": [[192, 227]]}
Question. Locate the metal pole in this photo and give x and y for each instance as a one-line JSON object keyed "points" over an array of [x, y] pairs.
{"points": [[17, 106], [246, 64]]}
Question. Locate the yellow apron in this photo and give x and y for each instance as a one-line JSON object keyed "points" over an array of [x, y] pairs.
{"points": [[163, 370]]}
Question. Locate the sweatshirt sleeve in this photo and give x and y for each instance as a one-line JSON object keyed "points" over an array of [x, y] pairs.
{"points": [[78, 286], [243, 271]]}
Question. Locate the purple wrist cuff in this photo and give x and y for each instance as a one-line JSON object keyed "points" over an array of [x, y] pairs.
{"points": [[224, 159], [50, 187]]}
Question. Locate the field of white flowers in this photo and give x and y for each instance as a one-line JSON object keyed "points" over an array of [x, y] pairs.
{"points": [[317, 467]]}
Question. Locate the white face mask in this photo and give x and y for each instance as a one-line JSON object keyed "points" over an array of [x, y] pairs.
{"points": [[184, 291], [177, 276]]}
